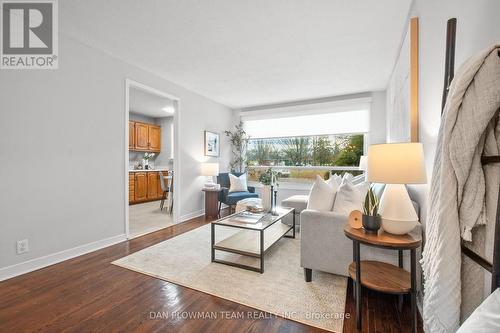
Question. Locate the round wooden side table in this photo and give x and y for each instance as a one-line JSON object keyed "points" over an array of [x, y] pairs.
{"points": [[381, 276], [211, 202]]}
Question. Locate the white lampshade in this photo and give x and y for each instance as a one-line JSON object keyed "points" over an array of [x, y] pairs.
{"points": [[210, 169], [363, 163], [396, 163]]}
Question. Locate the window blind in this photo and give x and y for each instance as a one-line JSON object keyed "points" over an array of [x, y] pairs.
{"points": [[307, 120]]}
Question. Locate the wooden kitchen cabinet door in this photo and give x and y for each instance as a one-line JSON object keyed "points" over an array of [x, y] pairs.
{"points": [[154, 136], [141, 186], [131, 188], [131, 135], [141, 136], [153, 185]]}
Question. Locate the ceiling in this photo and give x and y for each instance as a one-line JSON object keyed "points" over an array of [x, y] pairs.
{"points": [[148, 104], [245, 53]]}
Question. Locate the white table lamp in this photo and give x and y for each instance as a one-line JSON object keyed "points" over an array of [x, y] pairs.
{"points": [[397, 164], [363, 165], [210, 170]]}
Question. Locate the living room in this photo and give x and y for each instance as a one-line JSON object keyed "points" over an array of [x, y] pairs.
{"points": [[326, 92]]}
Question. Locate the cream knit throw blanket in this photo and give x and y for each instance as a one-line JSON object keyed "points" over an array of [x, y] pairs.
{"points": [[457, 193]]}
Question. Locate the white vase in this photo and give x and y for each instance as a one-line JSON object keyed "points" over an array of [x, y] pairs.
{"points": [[266, 197]]}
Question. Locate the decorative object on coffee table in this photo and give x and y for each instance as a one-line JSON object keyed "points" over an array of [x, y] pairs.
{"points": [[269, 179], [381, 276], [397, 164], [371, 217]]}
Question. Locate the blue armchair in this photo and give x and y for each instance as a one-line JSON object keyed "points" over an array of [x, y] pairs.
{"points": [[232, 198]]}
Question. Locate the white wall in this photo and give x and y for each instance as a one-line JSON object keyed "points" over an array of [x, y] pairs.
{"points": [[62, 136], [166, 154], [377, 118]]}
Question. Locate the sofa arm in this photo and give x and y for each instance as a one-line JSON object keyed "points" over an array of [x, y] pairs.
{"points": [[323, 245], [251, 189]]}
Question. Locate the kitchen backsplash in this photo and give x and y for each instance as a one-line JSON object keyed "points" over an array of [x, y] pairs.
{"points": [[135, 159]]}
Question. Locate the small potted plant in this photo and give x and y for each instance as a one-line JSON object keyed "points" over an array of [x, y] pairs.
{"points": [[371, 218], [145, 160]]}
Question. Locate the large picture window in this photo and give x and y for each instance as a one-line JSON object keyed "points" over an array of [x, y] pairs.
{"points": [[324, 150], [303, 141], [300, 159]]}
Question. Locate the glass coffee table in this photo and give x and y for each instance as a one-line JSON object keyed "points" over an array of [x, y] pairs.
{"points": [[256, 236]]}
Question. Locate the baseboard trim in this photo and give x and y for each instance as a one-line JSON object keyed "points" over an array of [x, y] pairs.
{"points": [[54, 258], [192, 215]]}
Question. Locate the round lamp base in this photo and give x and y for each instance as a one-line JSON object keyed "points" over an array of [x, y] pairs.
{"points": [[398, 227]]}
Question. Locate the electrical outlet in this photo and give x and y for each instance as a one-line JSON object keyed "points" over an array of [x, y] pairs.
{"points": [[22, 246]]}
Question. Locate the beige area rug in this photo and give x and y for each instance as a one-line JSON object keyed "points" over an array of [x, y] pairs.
{"points": [[281, 290]]}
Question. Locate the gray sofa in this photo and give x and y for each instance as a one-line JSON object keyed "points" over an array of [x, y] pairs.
{"points": [[324, 247]]}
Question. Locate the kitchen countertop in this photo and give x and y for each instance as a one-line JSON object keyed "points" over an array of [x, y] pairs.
{"points": [[148, 170]]}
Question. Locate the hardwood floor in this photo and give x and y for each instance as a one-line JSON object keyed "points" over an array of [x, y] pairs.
{"points": [[89, 294]]}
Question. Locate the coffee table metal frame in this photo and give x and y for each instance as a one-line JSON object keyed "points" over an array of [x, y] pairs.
{"points": [[283, 212]]}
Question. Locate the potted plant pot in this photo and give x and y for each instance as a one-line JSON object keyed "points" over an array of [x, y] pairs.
{"points": [[371, 223]]}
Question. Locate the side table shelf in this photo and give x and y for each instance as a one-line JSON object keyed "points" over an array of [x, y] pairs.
{"points": [[383, 277]]}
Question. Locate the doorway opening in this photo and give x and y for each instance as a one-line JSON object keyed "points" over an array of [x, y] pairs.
{"points": [[151, 165]]}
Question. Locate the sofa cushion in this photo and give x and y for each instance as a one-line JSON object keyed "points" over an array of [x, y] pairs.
{"points": [[350, 197], [238, 183], [299, 202], [322, 195], [234, 197], [223, 178], [335, 180]]}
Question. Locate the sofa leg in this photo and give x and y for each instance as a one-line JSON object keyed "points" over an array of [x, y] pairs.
{"points": [[308, 274]]}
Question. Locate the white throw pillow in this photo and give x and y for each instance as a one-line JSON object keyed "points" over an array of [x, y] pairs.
{"points": [[322, 195], [334, 181], [347, 176], [238, 184], [350, 197]]}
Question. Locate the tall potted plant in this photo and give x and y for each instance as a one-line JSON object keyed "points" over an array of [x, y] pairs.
{"points": [[371, 218], [239, 140]]}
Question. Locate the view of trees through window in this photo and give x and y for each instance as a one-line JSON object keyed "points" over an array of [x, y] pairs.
{"points": [[326, 150]]}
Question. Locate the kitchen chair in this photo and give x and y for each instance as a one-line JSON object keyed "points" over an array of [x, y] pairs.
{"points": [[166, 186]]}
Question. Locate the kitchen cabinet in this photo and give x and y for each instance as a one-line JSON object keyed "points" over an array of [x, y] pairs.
{"points": [[144, 137], [131, 187], [141, 186], [131, 135], [154, 136], [145, 186], [141, 138], [153, 185]]}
